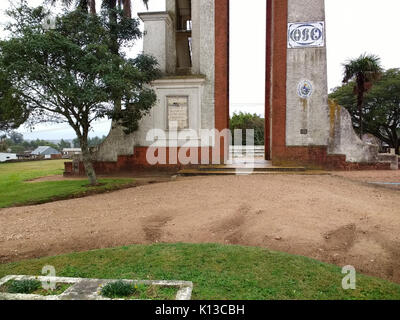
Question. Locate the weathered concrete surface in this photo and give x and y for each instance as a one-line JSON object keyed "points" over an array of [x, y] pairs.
{"points": [[190, 86], [159, 39], [343, 139], [307, 64], [207, 62], [392, 158], [117, 143], [89, 289]]}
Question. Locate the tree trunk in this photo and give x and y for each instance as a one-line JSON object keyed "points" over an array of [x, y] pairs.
{"points": [[127, 9], [114, 45], [87, 162], [93, 6], [360, 103], [396, 141]]}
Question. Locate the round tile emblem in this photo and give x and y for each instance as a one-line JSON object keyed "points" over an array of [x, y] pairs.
{"points": [[305, 89]]}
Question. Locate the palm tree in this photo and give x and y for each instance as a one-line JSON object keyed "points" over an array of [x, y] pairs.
{"points": [[364, 70], [90, 5], [125, 5], [85, 5]]}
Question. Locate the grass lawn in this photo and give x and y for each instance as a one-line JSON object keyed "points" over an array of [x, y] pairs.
{"points": [[217, 271], [14, 190]]}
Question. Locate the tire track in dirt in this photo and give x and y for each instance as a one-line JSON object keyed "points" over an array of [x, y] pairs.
{"points": [[153, 227]]}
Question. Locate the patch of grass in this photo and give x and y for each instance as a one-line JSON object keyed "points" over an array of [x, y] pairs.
{"points": [[123, 290], [22, 286], [118, 289], [14, 190], [32, 287], [217, 271], [60, 288], [160, 293]]}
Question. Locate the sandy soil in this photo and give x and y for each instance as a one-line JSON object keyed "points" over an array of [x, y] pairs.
{"points": [[329, 218], [388, 176]]}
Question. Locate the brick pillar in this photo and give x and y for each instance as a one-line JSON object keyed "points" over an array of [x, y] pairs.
{"points": [[268, 82], [222, 68], [275, 105]]}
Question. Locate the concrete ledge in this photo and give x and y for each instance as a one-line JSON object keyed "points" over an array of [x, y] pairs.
{"points": [[89, 289], [392, 158]]}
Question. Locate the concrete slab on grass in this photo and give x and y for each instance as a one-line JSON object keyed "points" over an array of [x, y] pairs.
{"points": [[89, 289]]}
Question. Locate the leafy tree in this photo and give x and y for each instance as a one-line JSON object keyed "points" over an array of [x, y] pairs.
{"points": [[245, 121], [76, 143], [16, 138], [381, 108], [63, 144], [364, 70], [69, 74], [12, 107], [3, 143], [113, 9], [16, 143], [32, 145], [17, 148], [92, 142]]}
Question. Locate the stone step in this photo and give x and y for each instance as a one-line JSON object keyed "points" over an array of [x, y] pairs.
{"points": [[220, 170], [196, 172], [255, 168]]}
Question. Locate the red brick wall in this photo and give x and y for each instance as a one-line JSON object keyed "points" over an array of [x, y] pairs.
{"points": [[56, 156], [277, 67], [268, 82], [138, 161], [222, 67]]}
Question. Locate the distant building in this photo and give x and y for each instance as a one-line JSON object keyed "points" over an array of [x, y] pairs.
{"points": [[27, 155], [7, 156], [46, 152], [69, 153]]}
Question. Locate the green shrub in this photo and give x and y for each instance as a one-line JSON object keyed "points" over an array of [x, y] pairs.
{"points": [[23, 286], [245, 121], [118, 289]]}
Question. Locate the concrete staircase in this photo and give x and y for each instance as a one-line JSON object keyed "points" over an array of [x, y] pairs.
{"points": [[240, 167]]}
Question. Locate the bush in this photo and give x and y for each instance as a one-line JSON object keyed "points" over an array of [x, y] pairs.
{"points": [[23, 286], [245, 121], [118, 289]]}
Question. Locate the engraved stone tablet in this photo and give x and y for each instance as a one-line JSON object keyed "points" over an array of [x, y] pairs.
{"points": [[178, 112]]}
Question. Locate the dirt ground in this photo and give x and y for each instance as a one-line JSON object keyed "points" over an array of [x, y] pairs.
{"points": [[339, 218]]}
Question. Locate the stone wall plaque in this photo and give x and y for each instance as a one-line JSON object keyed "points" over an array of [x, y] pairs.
{"points": [[306, 35], [178, 112], [305, 89]]}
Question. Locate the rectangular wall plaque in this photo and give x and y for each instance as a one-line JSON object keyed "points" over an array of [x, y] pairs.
{"points": [[178, 112], [306, 35]]}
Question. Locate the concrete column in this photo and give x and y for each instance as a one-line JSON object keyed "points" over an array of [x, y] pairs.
{"points": [[196, 37], [159, 39], [307, 120], [170, 6]]}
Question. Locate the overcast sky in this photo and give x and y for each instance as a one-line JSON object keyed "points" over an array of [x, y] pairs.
{"points": [[353, 27]]}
